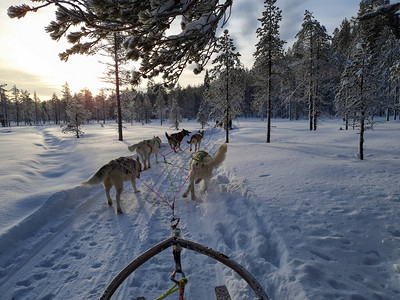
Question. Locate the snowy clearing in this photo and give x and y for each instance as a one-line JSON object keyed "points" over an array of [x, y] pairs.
{"points": [[302, 214]]}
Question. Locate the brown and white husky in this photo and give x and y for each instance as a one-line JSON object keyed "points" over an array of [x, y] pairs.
{"points": [[195, 140], [114, 174]]}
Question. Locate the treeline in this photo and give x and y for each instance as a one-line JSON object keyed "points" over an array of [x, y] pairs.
{"points": [[353, 73]]}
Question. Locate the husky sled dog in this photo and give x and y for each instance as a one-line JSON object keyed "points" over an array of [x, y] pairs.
{"points": [[114, 174], [201, 166], [175, 139], [195, 140], [145, 149]]}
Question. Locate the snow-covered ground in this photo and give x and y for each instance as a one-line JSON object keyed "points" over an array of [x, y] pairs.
{"points": [[302, 214]]}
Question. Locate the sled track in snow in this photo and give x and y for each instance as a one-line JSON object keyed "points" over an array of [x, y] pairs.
{"points": [[86, 243]]}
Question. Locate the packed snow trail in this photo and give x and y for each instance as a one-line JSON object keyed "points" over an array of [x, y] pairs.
{"points": [[79, 244]]}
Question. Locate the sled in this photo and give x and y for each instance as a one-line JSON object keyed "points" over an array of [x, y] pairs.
{"points": [[178, 243]]}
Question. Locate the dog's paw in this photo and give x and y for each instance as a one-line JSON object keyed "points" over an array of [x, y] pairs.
{"points": [[137, 191], [119, 211], [109, 203], [184, 195]]}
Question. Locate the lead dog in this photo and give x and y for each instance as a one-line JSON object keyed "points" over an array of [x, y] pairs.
{"points": [[114, 174], [145, 149], [201, 166], [195, 140], [175, 139]]}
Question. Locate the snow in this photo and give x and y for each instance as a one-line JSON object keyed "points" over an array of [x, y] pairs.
{"points": [[302, 214]]}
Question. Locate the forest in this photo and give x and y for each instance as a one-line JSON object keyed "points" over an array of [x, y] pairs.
{"points": [[353, 74]]}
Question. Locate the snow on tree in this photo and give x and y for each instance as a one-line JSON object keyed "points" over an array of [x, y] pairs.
{"points": [[227, 88], [312, 45], [383, 10], [66, 98], [100, 104], [394, 77], [127, 99], [161, 52], [357, 94], [5, 107], [269, 51], [160, 106], [175, 117], [389, 55], [77, 114]]}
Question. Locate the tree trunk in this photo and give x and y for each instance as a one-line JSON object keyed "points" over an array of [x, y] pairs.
{"points": [[227, 106], [269, 102], [310, 88], [362, 130], [120, 138]]}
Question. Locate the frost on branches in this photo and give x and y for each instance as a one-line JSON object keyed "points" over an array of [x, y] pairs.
{"points": [[161, 52]]}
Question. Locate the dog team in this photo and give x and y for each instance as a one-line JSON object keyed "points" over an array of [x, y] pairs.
{"points": [[201, 165]]}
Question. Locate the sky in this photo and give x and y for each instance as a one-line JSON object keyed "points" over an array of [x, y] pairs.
{"points": [[29, 57]]}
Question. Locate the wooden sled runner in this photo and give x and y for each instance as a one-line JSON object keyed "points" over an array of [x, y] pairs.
{"points": [[177, 243]]}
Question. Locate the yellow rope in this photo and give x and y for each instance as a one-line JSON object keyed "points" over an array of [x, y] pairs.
{"points": [[173, 289]]}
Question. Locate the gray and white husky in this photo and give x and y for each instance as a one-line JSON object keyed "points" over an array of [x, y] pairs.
{"points": [[114, 174], [145, 148], [201, 166]]}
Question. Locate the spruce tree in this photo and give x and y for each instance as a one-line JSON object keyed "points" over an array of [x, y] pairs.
{"points": [[160, 106], [269, 51], [312, 45], [227, 87], [77, 114]]}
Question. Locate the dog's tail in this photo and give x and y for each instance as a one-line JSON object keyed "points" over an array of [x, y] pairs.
{"points": [[166, 134], [99, 176], [219, 157], [133, 147]]}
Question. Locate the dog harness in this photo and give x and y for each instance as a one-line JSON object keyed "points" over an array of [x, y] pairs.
{"points": [[199, 155]]}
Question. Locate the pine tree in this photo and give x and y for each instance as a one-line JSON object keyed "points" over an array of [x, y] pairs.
{"points": [[4, 118], [160, 106], [66, 99], [36, 108], [227, 88], [269, 51], [357, 93], [16, 97], [394, 77], [77, 114], [175, 117], [101, 111], [312, 45], [116, 74]]}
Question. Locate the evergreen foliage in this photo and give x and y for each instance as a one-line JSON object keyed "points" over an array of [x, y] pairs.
{"points": [[227, 86], [268, 55]]}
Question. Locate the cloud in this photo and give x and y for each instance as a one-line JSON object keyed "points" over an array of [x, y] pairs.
{"points": [[28, 81]]}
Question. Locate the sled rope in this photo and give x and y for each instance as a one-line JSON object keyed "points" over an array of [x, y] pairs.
{"points": [[180, 286], [172, 187], [148, 186]]}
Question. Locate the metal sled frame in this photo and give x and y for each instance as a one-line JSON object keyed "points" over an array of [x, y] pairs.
{"points": [[177, 241]]}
